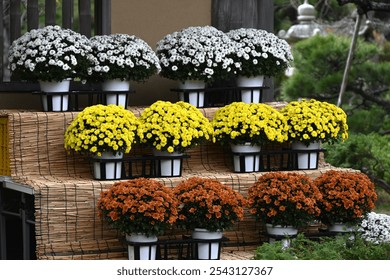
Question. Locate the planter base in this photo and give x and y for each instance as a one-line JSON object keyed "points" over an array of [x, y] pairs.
{"points": [[108, 166], [193, 92], [138, 248], [341, 227], [251, 88], [307, 156], [246, 158], [116, 92], [52, 102], [209, 245], [168, 164]]}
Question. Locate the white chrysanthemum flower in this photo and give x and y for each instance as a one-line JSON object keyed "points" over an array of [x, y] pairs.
{"points": [[376, 228], [128, 57], [193, 50], [265, 47], [47, 46]]}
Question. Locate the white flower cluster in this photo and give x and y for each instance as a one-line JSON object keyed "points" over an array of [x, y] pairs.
{"points": [[260, 52], [199, 53], [122, 56], [376, 228], [50, 53]]}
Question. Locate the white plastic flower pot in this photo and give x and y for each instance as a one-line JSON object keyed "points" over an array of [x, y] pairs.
{"points": [[139, 249], [195, 97], [207, 250], [52, 102], [253, 93], [246, 157]]}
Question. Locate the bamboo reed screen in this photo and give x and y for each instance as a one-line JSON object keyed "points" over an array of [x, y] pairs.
{"points": [[67, 226]]}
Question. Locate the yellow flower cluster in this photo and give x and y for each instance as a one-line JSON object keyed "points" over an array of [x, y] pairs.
{"points": [[257, 123], [173, 126], [101, 128], [312, 120]]}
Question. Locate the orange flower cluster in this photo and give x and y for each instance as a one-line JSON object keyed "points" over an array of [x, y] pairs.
{"points": [[278, 198], [207, 203], [347, 197], [286, 199], [139, 206]]}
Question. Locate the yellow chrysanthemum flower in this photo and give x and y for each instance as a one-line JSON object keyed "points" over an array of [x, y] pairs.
{"points": [[101, 128], [173, 126], [257, 123], [312, 120]]}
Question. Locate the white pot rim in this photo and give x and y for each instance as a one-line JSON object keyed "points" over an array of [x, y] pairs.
{"points": [[141, 237], [206, 230], [246, 147]]}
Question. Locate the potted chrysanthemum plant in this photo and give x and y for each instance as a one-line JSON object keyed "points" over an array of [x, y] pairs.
{"points": [[207, 207], [170, 129], [284, 202], [52, 56], [346, 198], [310, 123], [142, 209], [258, 53], [119, 59], [196, 56], [246, 127], [104, 132]]}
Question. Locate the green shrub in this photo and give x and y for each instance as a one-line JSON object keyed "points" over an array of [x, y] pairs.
{"points": [[363, 250], [341, 247], [319, 64], [369, 153], [274, 251], [366, 121]]}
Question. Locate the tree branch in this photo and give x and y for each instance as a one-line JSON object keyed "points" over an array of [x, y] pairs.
{"points": [[377, 181], [365, 6], [371, 96]]}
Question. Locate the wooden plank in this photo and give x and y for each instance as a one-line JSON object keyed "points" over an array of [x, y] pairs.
{"points": [[85, 17], [67, 14], [50, 12], [265, 15], [102, 17], [265, 18], [233, 14], [32, 14], [1, 42], [15, 25]]}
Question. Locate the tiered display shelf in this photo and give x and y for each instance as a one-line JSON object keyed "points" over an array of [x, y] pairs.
{"points": [[77, 99], [219, 96], [65, 193]]}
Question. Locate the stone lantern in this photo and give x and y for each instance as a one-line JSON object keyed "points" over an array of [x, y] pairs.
{"points": [[306, 27]]}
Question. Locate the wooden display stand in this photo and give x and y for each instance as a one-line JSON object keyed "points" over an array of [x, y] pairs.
{"points": [[67, 224]]}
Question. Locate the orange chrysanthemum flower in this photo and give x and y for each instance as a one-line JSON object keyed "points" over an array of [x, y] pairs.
{"points": [[284, 199], [347, 196], [139, 206], [217, 205]]}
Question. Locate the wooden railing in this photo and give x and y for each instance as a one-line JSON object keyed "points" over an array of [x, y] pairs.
{"points": [[88, 17]]}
